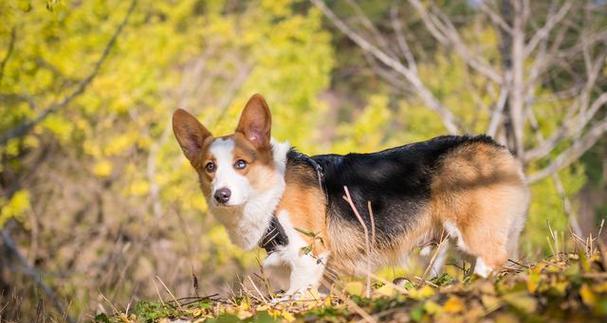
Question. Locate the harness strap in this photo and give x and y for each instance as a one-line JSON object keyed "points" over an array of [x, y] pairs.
{"points": [[274, 236], [319, 171]]}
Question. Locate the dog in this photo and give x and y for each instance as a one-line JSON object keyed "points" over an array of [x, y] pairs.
{"points": [[303, 209]]}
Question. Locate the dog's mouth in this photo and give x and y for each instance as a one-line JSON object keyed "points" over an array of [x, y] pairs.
{"points": [[227, 205]]}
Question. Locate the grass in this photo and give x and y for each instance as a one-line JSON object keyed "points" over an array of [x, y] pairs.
{"points": [[567, 286]]}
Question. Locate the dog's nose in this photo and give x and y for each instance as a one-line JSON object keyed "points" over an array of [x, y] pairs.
{"points": [[222, 195]]}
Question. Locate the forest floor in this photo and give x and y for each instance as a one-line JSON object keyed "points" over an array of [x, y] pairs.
{"points": [[565, 287]]}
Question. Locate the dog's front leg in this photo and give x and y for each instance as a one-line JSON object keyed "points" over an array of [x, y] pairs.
{"points": [[306, 273]]}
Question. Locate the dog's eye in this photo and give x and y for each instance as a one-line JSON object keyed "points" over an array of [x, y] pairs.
{"points": [[210, 167], [240, 164]]}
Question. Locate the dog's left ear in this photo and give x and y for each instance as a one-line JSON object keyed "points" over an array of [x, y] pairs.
{"points": [[256, 122]]}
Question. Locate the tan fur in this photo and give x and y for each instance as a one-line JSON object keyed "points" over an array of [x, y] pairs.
{"points": [[305, 205], [481, 189]]}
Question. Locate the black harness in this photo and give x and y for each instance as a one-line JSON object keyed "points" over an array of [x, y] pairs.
{"points": [[275, 234]]}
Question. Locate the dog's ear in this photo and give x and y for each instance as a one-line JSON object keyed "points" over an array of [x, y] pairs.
{"points": [[256, 122], [190, 133]]}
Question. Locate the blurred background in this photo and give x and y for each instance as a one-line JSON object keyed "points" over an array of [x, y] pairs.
{"points": [[98, 207]]}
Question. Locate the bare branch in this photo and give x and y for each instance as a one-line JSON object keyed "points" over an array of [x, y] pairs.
{"points": [[544, 32], [24, 128], [401, 40], [498, 111], [445, 33], [425, 94], [572, 153], [394, 79], [544, 58], [20, 97], [9, 52], [495, 17], [572, 128], [383, 43]]}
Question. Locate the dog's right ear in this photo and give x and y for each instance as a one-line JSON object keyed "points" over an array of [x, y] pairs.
{"points": [[190, 133]]}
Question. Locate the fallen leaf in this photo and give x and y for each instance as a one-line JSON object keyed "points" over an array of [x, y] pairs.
{"points": [[490, 302], [385, 291], [588, 296], [432, 308], [522, 301], [453, 305], [533, 281]]}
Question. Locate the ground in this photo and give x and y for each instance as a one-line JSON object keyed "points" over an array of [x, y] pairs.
{"points": [[565, 287]]}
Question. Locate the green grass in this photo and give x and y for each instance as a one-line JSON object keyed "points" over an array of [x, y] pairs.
{"points": [[568, 286]]}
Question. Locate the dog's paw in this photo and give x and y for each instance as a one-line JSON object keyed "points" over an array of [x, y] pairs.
{"points": [[308, 295], [282, 299]]}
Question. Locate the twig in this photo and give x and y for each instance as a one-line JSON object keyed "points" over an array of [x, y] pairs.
{"points": [[348, 199], [372, 217], [257, 289], [114, 308], [438, 250], [518, 263], [170, 293], [158, 293]]}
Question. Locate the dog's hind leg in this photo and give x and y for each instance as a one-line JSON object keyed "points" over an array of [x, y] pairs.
{"points": [[489, 230]]}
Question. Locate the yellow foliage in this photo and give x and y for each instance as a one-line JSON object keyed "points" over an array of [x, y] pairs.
{"points": [[120, 143], [59, 126], [453, 305], [588, 296], [139, 188], [422, 293], [15, 207], [12, 147], [102, 168], [366, 132]]}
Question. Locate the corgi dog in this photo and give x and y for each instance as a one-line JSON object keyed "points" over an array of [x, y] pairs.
{"points": [[267, 194]]}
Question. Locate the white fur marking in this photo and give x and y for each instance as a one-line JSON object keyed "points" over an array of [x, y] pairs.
{"points": [[481, 268], [306, 270], [225, 175], [454, 232]]}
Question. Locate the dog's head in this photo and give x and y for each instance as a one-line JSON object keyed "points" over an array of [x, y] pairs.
{"points": [[235, 168]]}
